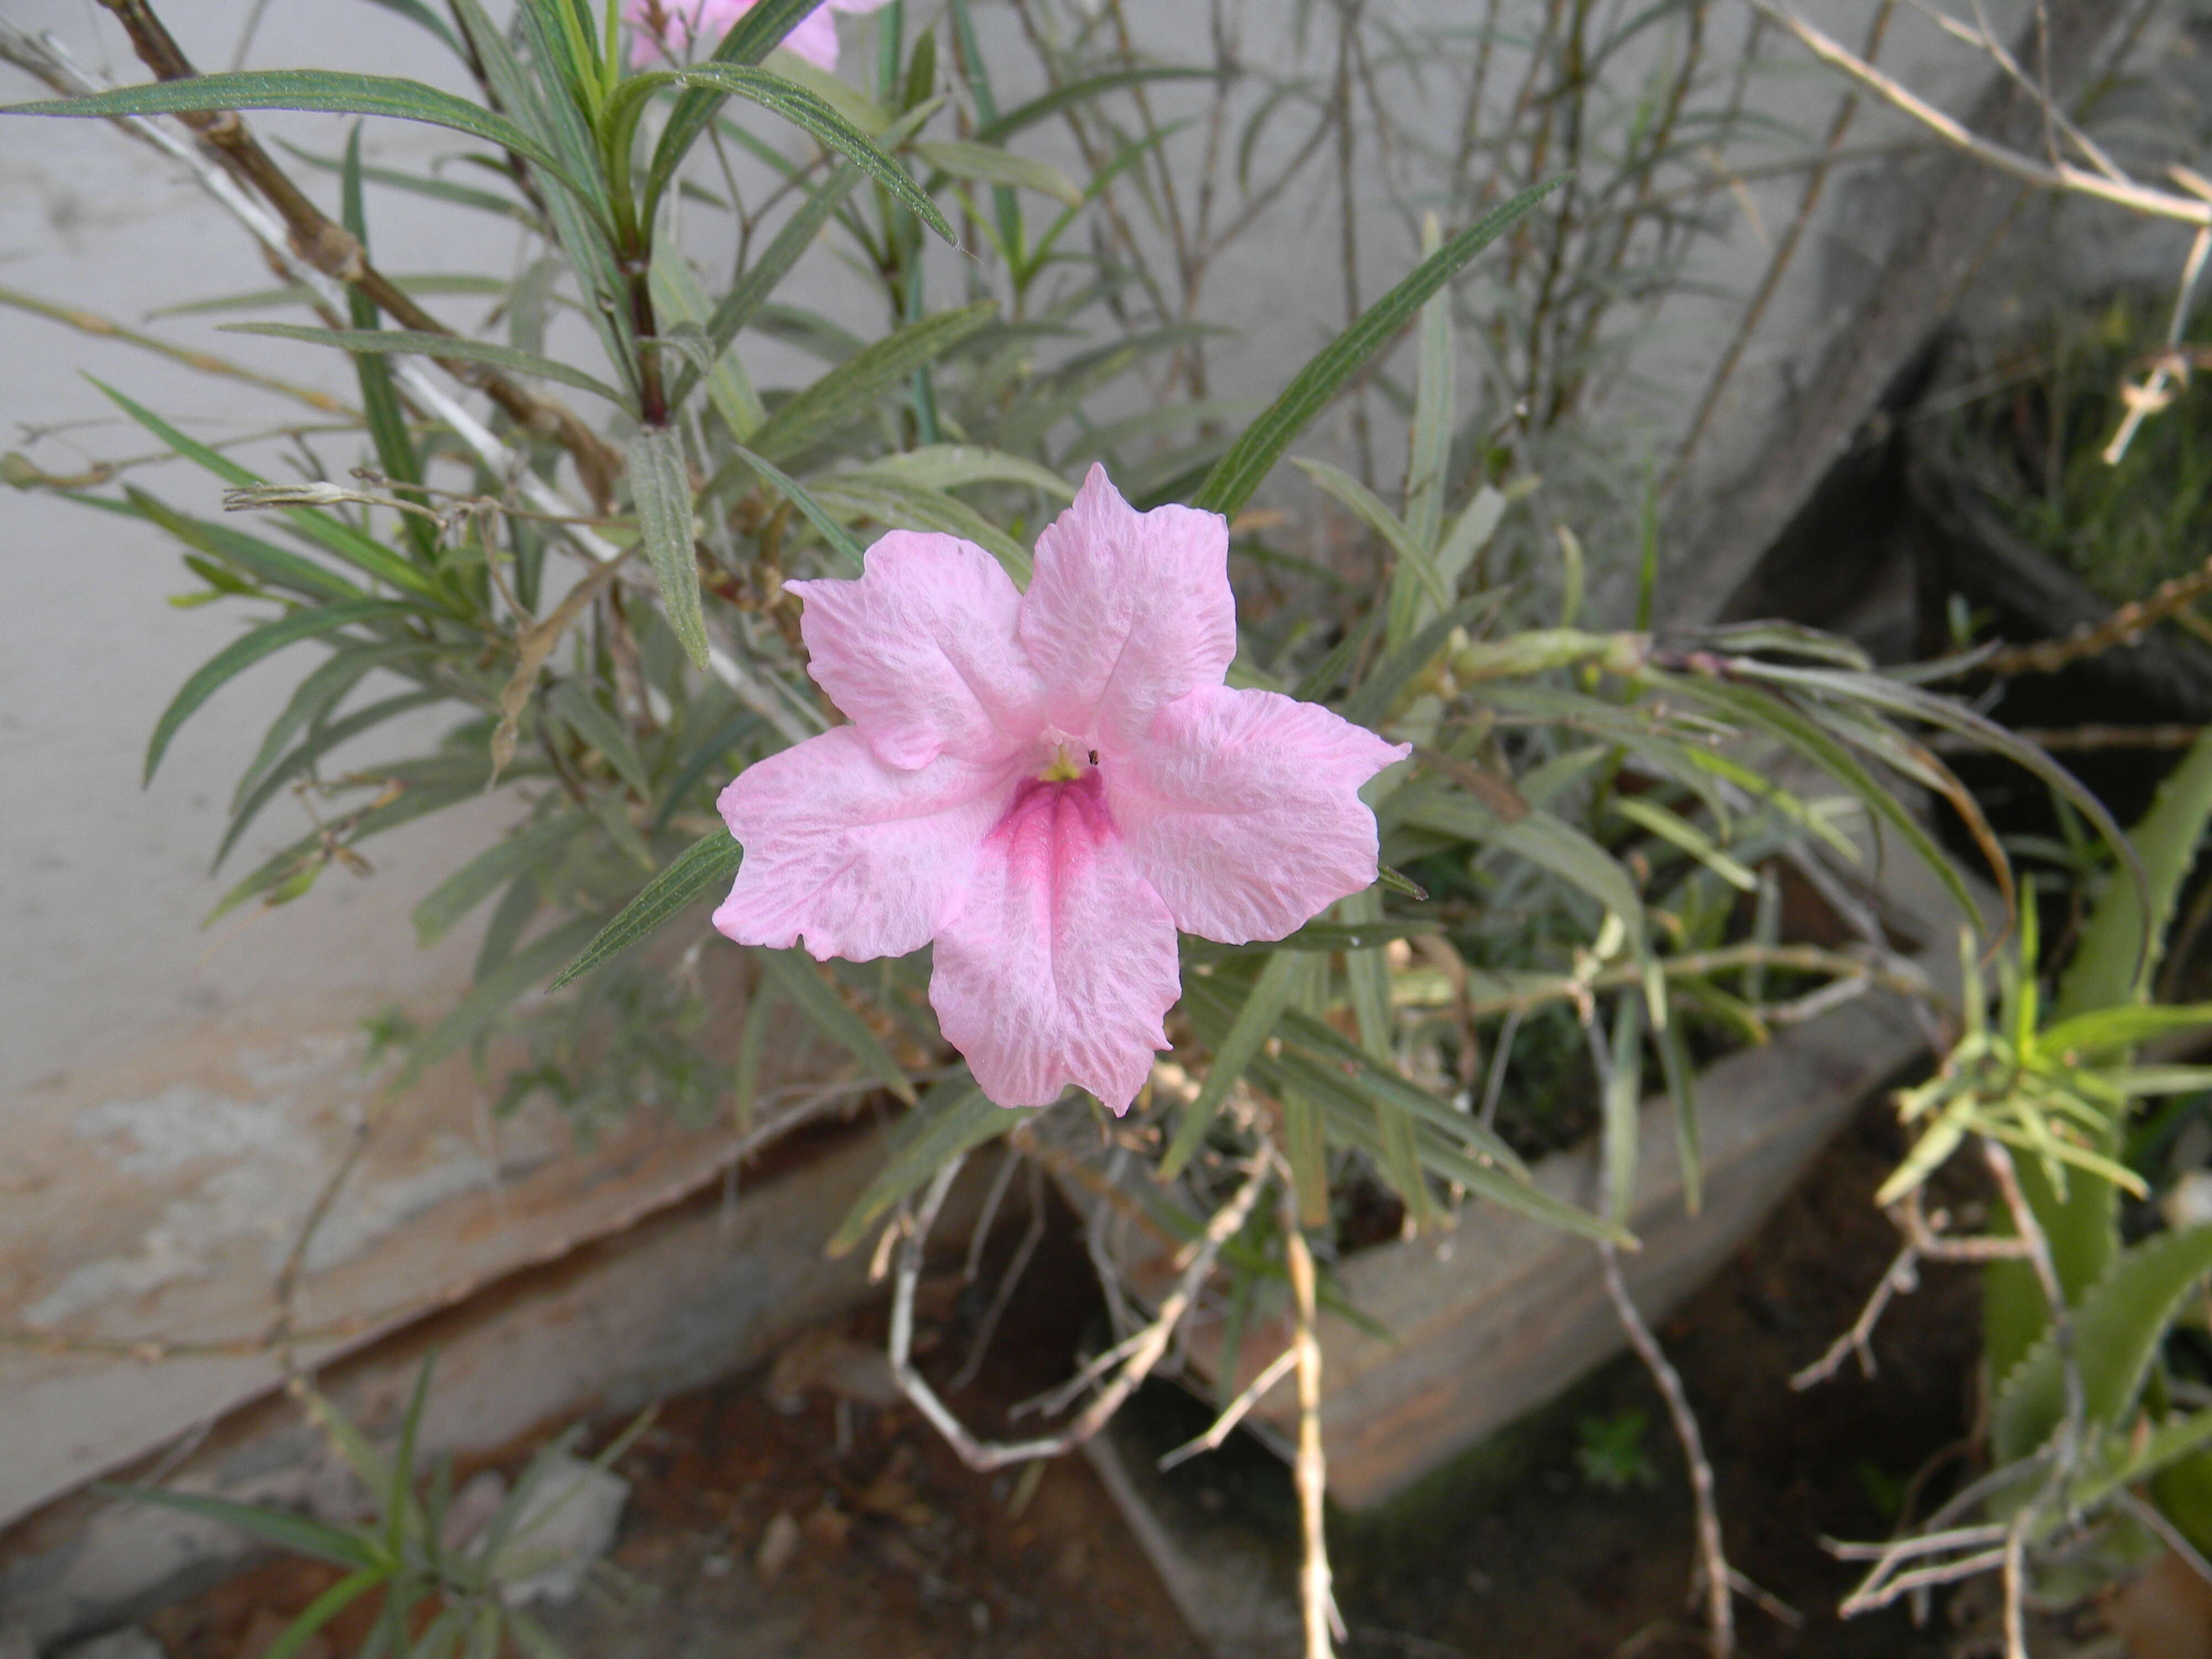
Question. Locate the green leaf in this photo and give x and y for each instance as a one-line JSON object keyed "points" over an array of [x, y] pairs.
{"points": [[2118, 1325], [319, 742], [333, 91], [1367, 981], [781, 96], [702, 866], [380, 400], [954, 466], [1255, 1023], [954, 1118], [900, 506], [262, 562], [286, 1531], [750, 291], [661, 488], [986, 164], [847, 550], [1679, 832], [492, 995], [1239, 472], [1682, 1100], [1076, 93], [485, 874], [242, 653], [851, 389], [361, 551], [1414, 564], [2103, 972], [1435, 411], [1791, 726], [588, 718], [321, 1611], [449, 346], [1624, 1100], [796, 977], [677, 300], [2123, 1027], [751, 38]]}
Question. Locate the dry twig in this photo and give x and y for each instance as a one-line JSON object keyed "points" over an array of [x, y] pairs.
{"points": [[1714, 1571], [1317, 1604], [1138, 1354]]}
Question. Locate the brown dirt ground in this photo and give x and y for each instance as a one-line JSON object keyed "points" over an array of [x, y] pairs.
{"points": [[901, 1553]]}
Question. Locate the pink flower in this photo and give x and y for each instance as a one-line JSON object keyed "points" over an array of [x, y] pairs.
{"points": [[1049, 785], [666, 27]]}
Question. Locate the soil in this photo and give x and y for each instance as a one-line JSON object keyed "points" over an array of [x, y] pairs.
{"points": [[891, 1549]]}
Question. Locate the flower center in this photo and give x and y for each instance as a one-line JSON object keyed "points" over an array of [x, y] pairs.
{"points": [[1070, 760]]}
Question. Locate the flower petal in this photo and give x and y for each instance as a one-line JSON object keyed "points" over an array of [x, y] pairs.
{"points": [[1128, 610], [862, 858], [814, 37], [1243, 810], [921, 651], [1061, 964]]}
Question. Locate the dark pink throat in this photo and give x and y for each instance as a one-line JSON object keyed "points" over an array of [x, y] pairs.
{"points": [[1049, 822]]}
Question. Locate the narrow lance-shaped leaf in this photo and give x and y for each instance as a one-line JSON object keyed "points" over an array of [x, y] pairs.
{"points": [[1255, 1023], [841, 545], [815, 998], [451, 346], [986, 164], [750, 291], [333, 91], [363, 552], [955, 1118], [755, 33], [380, 400], [492, 995], [1624, 1096], [241, 655], [803, 109], [701, 868], [286, 1531], [854, 385], [1240, 472], [661, 488], [485, 874]]}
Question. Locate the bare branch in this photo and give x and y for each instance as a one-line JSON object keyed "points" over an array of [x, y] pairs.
{"points": [[1317, 1604], [1142, 1352], [1717, 1577]]}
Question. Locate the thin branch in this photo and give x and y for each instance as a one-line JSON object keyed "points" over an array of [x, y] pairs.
{"points": [[1755, 308], [1717, 1577], [2065, 176], [1236, 1412], [332, 249], [2125, 626], [1151, 1343], [1316, 1605]]}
